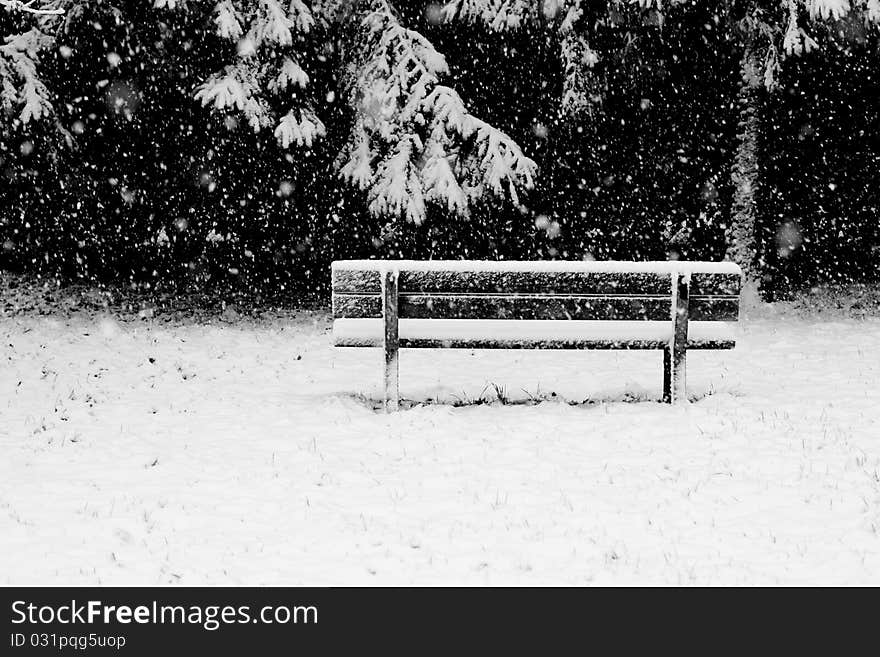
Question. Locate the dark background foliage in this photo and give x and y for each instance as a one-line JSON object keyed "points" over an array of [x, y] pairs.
{"points": [[137, 183]]}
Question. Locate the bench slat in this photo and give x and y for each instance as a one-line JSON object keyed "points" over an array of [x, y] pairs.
{"points": [[536, 282], [349, 281], [540, 282], [715, 284], [502, 334], [489, 343], [534, 307], [714, 309]]}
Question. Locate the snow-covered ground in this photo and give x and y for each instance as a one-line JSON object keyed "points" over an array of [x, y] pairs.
{"points": [[254, 453]]}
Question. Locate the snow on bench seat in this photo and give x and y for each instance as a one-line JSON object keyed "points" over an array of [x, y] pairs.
{"points": [[517, 334], [573, 266]]}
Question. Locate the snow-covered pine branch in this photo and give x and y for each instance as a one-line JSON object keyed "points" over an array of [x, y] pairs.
{"points": [[796, 40], [578, 59], [414, 140], [22, 94], [31, 7], [872, 10], [508, 15], [576, 56], [261, 29], [24, 97]]}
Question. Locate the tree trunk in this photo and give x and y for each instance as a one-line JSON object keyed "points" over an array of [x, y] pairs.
{"points": [[741, 238]]}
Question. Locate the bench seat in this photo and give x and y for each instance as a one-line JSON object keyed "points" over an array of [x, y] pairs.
{"points": [[531, 334]]}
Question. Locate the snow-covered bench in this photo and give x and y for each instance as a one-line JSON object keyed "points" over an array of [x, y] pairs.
{"points": [[673, 306]]}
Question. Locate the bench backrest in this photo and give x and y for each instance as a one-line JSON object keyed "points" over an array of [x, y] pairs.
{"points": [[555, 290]]}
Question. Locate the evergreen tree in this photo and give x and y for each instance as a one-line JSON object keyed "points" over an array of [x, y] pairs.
{"points": [[607, 94], [411, 140], [767, 31]]}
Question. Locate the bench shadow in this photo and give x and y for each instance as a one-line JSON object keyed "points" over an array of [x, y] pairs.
{"points": [[494, 395]]}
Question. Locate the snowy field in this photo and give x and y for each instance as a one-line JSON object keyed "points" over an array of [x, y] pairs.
{"points": [[252, 452]]}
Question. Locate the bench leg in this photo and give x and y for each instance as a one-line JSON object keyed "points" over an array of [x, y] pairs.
{"points": [[675, 355], [392, 393], [391, 341], [667, 376], [674, 376]]}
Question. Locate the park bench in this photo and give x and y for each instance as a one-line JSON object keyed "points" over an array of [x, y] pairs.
{"points": [[434, 304]]}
